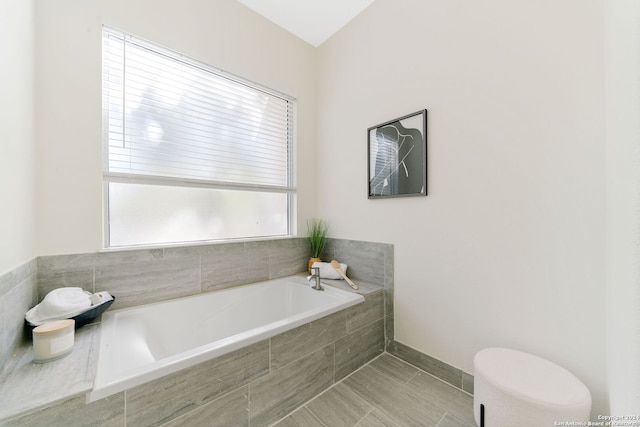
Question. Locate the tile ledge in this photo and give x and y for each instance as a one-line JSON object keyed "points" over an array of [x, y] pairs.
{"points": [[364, 288], [26, 386]]}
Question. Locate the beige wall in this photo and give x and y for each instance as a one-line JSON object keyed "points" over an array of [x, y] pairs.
{"points": [[16, 134], [508, 249], [622, 36], [222, 33]]}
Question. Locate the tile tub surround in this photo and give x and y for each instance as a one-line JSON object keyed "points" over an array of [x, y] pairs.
{"points": [[142, 276], [370, 262], [259, 384], [18, 293], [146, 275]]}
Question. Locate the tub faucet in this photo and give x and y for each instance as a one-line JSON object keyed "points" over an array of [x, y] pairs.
{"points": [[315, 272]]}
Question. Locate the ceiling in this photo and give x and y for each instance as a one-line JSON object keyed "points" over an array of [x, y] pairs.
{"points": [[314, 21]]}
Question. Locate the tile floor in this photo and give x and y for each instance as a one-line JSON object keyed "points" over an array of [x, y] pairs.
{"points": [[386, 392]]}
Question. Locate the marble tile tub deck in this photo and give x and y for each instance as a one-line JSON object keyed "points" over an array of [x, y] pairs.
{"points": [[25, 385]]}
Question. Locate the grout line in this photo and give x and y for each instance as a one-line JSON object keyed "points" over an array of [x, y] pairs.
{"points": [[200, 272], [334, 362], [325, 391], [373, 408], [302, 356], [298, 409], [414, 375], [393, 377], [441, 419], [406, 384], [427, 373], [249, 404], [270, 354], [314, 416], [125, 409]]}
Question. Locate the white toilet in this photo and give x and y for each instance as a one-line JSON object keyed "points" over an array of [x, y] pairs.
{"points": [[513, 388]]}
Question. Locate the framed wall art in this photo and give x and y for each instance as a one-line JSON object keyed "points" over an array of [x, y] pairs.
{"points": [[397, 153]]}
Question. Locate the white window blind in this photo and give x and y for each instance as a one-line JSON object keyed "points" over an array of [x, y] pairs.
{"points": [[172, 121]]}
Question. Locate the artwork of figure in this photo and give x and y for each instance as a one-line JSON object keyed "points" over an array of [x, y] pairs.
{"points": [[397, 153]]}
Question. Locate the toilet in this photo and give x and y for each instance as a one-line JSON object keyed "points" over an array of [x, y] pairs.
{"points": [[514, 388]]}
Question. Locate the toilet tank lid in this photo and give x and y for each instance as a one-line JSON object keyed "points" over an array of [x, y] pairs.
{"points": [[530, 376]]}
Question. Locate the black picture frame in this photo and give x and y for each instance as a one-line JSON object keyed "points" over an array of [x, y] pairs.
{"points": [[397, 157]]}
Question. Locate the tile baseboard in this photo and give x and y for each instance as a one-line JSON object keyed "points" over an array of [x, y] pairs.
{"points": [[439, 369]]}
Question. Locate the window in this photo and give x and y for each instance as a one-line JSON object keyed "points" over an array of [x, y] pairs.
{"points": [[191, 153]]}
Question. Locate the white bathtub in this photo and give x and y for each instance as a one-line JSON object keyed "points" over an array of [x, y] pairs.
{"points": [[144, 343]]}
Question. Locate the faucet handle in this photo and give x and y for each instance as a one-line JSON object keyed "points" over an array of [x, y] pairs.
{"points": [[315, 272]]}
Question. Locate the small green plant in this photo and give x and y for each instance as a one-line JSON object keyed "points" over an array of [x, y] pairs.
{"points": [[317, 229]]}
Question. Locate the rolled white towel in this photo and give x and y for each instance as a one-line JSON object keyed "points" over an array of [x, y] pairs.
{"points": [[328, 272], [61, 303], [100, 298]]}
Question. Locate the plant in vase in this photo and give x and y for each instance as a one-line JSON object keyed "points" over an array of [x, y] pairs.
{"points": [[317, 230]]}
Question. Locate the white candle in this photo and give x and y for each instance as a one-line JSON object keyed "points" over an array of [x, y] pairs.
{"points": [[53, 340]]}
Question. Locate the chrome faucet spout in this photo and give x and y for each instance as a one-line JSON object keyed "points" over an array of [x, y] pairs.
{"points": [[315, 272]]}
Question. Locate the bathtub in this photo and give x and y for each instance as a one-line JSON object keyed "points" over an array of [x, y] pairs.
{"points": [[144, 343]]}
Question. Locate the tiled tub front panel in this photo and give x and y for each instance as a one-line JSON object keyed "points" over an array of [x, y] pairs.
{"points": [[258, 384]]}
